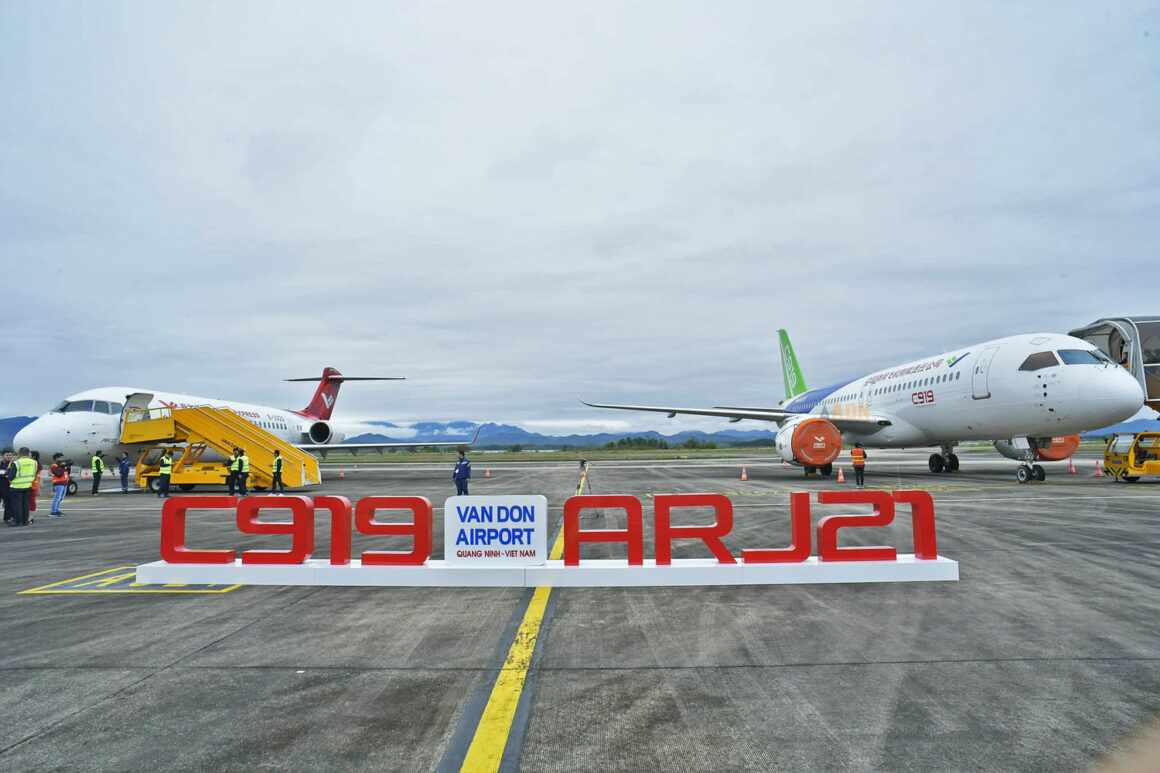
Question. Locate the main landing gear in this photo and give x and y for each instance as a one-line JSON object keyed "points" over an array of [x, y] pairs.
{"points": [[945, 461], [1030, 472]]}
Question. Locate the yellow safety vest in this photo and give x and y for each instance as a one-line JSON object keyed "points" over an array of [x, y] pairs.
{"points": [[277, 464], [235, 463], [245, 462], [25, 473], [98, 464], [166, 466]]}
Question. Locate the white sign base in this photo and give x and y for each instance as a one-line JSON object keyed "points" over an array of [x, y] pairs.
{"points": [[591, 573]]}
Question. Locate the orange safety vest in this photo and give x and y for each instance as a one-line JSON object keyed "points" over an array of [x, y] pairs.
{"points": [[59, 474], [858, 455]]}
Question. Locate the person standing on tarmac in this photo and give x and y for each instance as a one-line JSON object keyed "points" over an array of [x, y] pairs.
{"points": [[60, 474], [858, 457], [123, 468], [164, 471], [243, 471], [21, 473], [6, 487], [232, 465], [34, 492], [462, 473], [278, 487], [97, 467]]}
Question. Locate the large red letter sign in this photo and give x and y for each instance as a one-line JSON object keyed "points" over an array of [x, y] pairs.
{"points": [[419, 529], [799, 541], [173, 548], [711, 535], [340, 515], [883, 515], [300, 528], [921, 522], [633, 535]]}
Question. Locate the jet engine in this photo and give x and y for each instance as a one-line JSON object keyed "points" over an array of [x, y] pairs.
{"points": [[810, 441], [1042, 449], [321, 434]]}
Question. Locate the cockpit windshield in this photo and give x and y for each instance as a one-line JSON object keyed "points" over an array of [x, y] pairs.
{"points": [[88, 406], [1038, 361], [1083, 357]]}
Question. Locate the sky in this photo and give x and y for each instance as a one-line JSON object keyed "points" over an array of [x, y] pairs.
{"points": [[516, 205]]}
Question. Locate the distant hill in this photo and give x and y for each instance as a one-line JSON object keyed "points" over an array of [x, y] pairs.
{"points": [[506, 435], [10, 426]]}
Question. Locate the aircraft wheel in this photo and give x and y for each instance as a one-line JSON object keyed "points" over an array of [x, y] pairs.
{"points": [[953, 463], [809, 471], [827, 470], [1023, 474], [1129, 478], [186, 486], [935, 463], [1040, 474], [72, 488]]}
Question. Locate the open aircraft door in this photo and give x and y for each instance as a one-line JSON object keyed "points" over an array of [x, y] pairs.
{"points": [[136, 404], [979, 388], [1133, 342]]}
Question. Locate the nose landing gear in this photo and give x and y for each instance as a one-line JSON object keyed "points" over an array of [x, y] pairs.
{"points": [[1029, 472]]}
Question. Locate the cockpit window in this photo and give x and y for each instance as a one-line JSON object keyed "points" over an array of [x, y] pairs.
{"points": [[60, 407], [115, 408], [1038, 361], [1080, 357], [77, 406], [101, 406]]}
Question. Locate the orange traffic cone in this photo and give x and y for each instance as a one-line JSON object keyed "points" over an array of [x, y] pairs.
{"points": [[744, 474], [841, 476], [487, 472], [1099, 469], [1071, 470], [342, 475]]}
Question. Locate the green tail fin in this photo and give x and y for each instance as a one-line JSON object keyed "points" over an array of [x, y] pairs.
{"points": [[791, 372]]}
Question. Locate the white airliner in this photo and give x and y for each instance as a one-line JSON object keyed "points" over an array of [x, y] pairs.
{"points": [[91, 420], [1029, 394]]}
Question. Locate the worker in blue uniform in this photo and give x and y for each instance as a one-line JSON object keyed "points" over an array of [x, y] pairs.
{"points": [[462, 473]]}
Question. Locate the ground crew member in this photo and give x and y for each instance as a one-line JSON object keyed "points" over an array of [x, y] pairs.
{"points": [[34, 492], [6, 487], [462, 473], [164, 471], [858, 456], [97, 466], [60, 475], [278, 487], [232, 465], [123, 468], [243, 471], [21, 474]]}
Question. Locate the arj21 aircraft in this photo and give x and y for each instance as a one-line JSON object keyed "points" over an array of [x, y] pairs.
{"points": [[91, 420], [1029, 394]]}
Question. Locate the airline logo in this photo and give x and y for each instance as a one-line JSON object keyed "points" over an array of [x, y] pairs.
{"points": [[953, 361], [328, 400], [788, 371]]}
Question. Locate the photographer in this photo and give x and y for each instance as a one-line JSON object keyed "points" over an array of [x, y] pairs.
{"points": [[60, 477]]}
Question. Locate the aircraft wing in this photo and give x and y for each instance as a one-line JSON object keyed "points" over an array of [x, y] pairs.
{"points": [[776, 415], [354, 448]]}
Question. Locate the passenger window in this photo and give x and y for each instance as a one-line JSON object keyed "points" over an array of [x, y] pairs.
{"points": [[78, 406], [1079, 357], [1038, 361]]}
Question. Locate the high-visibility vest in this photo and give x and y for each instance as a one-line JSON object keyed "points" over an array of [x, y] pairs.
{"points": [[858, 456], [98, 465], [59, 474], [235, 464], [25, 473], [244, 461], [277, 464], [166, 466]]}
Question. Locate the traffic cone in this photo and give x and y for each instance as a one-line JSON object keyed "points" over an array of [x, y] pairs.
{"points": [[841, 476], [487, 472], [744, 474], [1071, 467], [1099, 469], [342, 475]]}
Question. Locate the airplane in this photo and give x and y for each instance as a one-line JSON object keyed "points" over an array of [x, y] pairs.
{"points": [[89, 421], [1029, 394]]}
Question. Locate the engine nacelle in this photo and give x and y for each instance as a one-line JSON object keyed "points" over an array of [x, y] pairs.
{"points": [[810, 441], [321, 434], [1043, 449]]}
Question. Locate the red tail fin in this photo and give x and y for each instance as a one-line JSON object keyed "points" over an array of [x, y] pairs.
{"points": [[322, 404]]}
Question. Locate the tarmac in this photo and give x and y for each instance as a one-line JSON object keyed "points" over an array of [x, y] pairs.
{"points": [[1044, 656]]}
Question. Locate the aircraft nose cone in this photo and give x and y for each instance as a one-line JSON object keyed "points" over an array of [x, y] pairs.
{"points": [[1120, 397], [1129, 397], [26, 437]]}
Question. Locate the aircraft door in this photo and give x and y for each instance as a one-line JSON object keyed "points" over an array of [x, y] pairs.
{"points": [[979, 376], [136, 405]]}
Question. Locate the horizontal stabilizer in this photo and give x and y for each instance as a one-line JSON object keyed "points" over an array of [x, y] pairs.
{"points": [[337, 379]]}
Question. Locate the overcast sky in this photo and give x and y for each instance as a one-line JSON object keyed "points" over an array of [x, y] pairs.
{"points": [[516, 205]]}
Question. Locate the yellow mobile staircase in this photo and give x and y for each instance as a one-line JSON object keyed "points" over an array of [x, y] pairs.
{"points": [[190, 432]]}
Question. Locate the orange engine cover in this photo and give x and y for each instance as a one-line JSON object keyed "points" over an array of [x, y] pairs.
{"points": [[816, 442], [1060, 448]]}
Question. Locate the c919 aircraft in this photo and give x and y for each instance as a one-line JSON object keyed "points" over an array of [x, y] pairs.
{"points": [[90, 421], [1029, 394]]}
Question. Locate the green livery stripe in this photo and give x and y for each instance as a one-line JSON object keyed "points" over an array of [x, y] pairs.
{"points": [[791, 372]]}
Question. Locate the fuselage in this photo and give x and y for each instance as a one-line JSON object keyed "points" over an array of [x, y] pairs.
{"points": [[89, 421], [1034, 385]]}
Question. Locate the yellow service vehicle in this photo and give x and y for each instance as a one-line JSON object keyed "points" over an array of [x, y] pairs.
{"points": [[1129, 457]]}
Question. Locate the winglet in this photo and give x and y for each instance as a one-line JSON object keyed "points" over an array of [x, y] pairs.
{"points": [[791, 372]]}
